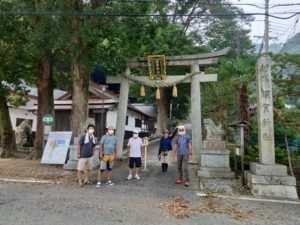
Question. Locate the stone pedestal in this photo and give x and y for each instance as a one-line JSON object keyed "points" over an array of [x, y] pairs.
{"points": [[271, 181], [73, 160], [215, 160]]}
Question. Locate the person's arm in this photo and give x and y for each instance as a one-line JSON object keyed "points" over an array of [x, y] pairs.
{"points": [[128, 150], [175, 151], [173, 134], [116, 150], [100, 151], [191, 149], [78, 151]]}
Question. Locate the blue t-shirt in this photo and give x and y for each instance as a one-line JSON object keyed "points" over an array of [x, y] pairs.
{"points": [[109, 142], [183, 142]]}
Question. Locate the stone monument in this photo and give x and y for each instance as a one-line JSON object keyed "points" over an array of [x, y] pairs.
{"points": [[23, 134], [73, 160], [214, 156], [267, 178]]}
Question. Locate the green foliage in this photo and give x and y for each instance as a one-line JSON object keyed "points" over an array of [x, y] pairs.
{"points": [[15, 64]]}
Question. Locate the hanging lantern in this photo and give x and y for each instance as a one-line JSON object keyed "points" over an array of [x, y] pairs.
{"points": [[157, 94], [174, 92], [142, 91]]}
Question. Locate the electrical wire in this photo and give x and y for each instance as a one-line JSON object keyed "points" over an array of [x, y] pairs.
{"points": [[84, 14], [207, 3]]}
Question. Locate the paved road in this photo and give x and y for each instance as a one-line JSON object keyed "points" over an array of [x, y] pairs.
{"points": [[144, 201]]}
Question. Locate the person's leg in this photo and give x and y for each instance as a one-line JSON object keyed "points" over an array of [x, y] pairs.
{"points": [[163, 164], [130, 165], [109, 166], [138, 164], [80, 169], [79, 177], [185, 168], [89, 167], [166, 161], [179, 166], [101, 170]]}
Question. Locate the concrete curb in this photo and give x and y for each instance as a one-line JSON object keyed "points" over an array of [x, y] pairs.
{"points": [[296, 202], [27, 180]]}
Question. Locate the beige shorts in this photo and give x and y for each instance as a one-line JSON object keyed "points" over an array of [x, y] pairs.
{"points": [[85, 164]]}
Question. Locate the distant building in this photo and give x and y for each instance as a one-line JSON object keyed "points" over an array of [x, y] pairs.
{"points": [[102, 107]]}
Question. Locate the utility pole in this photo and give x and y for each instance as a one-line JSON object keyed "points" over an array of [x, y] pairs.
{"points": [[238, 44], [266, 35]]}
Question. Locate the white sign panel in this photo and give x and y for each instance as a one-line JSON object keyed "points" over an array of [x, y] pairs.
{"points": [[56, 149]]}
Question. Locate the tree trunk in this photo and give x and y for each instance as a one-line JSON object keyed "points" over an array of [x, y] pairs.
{"points": [[162, 108], [80, 76], [287, 149], [80, 95], [45, 103], [8, 140], [244, 111]]}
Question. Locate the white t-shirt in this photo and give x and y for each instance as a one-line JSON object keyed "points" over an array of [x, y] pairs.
{"points": [[135, 145]]}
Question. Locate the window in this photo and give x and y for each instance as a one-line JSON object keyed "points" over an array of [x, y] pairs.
{"points": [[138, 122]]}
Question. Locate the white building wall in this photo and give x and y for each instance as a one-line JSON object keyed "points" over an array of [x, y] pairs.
{"points": [[111, 119]]}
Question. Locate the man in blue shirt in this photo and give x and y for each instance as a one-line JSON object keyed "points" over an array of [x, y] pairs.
{"points": [[107, 154], [183, 148]]}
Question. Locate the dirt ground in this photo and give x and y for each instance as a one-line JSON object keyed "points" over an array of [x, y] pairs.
{"points": [[22, 168]]}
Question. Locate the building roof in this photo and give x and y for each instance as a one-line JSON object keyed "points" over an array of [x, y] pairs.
{"points": [[100, 97]]}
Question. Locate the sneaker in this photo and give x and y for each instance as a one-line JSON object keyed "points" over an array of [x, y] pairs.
{"points": [[137, 177], [187, 184], [179, 181], [99, 184], [109, 182], [129, 177]]}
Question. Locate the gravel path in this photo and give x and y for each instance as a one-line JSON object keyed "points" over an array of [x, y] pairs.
{"points": [[155, 199]]}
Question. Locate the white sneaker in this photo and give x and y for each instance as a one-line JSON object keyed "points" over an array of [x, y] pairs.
{"points": [[137, 177], [129, 177], [99, 184]]}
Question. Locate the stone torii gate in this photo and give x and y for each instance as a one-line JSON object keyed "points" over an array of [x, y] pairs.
{"points": [[195, 77]]}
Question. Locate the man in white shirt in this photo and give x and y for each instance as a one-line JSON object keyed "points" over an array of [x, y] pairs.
{"points": [[135, 149]]}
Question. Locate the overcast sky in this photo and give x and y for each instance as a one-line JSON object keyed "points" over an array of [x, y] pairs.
{"points": [[279, 28]]}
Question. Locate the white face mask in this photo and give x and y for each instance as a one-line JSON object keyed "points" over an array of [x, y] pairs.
{"points": [[181, 132], [110, 132], [91, 131], [135, 135]]}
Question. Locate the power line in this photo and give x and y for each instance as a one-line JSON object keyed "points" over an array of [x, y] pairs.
{"points": [[206, 3], [47, 13]]}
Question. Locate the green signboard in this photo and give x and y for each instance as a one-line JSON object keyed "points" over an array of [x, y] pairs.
{"points": [[47, 119]]}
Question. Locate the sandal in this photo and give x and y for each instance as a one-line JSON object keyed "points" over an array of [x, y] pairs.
{"points": [[86, 182], [80, 183]]}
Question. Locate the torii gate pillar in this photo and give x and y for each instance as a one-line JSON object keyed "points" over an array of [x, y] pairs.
{"points": [[122, 112], [196, 114]]}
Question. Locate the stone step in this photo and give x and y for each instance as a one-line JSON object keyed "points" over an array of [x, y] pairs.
{"points": [[270, 170], [215, 174]]}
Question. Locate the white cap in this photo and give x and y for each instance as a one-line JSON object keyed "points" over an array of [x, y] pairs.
{"points": [[136, 131]]}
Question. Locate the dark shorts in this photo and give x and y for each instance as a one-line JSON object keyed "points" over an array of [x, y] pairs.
{"points": [[135, 161]]}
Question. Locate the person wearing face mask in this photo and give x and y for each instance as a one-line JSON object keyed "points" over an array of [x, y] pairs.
{"points": [[183, 149], [85, 152], [164, 147], [136, 150], [107, 154]]}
